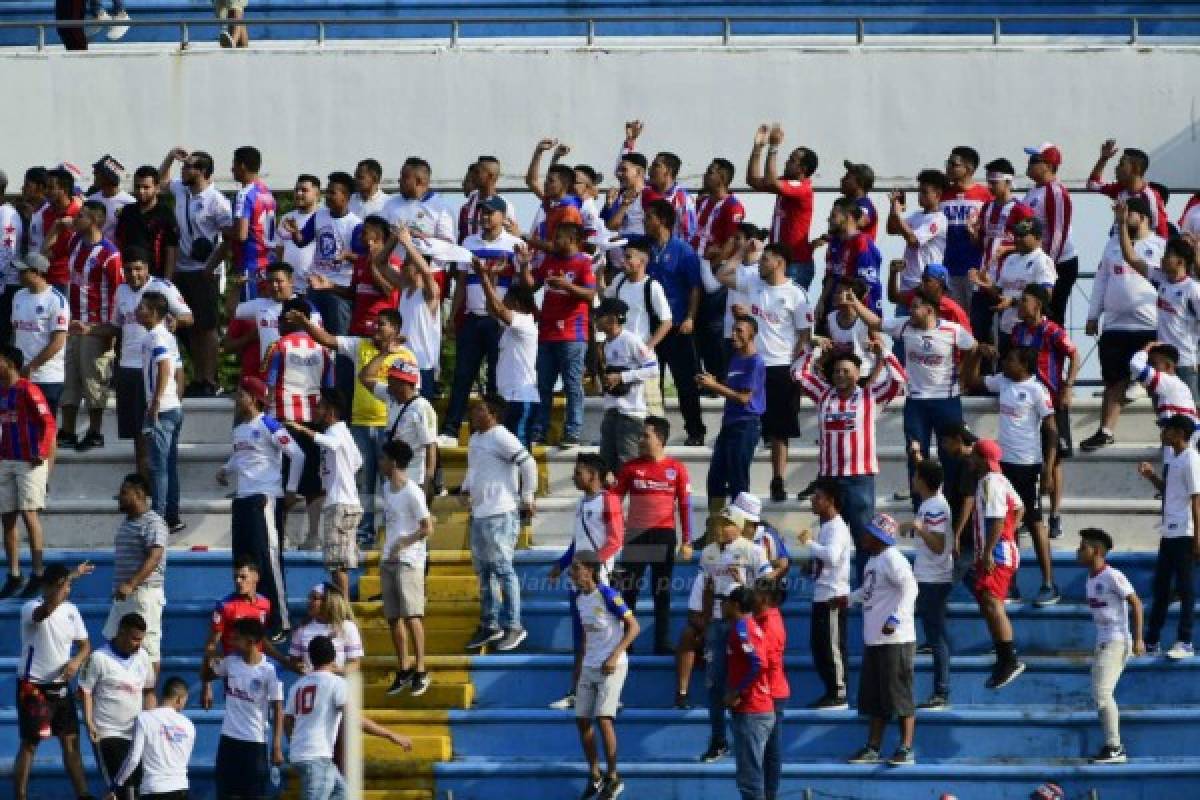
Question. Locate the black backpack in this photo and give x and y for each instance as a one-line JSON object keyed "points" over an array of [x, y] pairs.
{"points": [[655, 321]]}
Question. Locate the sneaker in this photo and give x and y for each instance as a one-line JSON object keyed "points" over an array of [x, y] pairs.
{"points": [[612, 788], [778, 493], [830, 703], [715, 752], [807, 491], [937, 702], [564, 703], [568, 441], [868, 755], [67, 439], [925, 650], [446, 440], [1180, 650], [484, 636], [681, 702], [92, 439], [402, 681], [1096, 441], [118, 31], [32, 588], [902, 757], [1111, 754], [511, 639], [595, 785], [1047, 596], [1004, 674], [11, 586], [176, 524], [1133, 392], [420, 683], [1055, 526], [694, 440], [101, 16], [1153, 650]]}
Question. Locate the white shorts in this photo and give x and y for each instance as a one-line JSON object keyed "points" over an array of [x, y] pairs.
{"points": [[598, 695], [149, 603], [22, 486]]}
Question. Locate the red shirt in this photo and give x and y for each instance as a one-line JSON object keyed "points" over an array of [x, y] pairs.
{"points": [[716, 221], [27, 426], [792, 220], [775, 636], [656, 489], [232, 608], [249, 358], [59, 254], [368, 300], [564, 317], [747, 675]]}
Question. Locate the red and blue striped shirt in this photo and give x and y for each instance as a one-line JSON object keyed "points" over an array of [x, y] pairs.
{"points": [[256, 205], [27, 426]]}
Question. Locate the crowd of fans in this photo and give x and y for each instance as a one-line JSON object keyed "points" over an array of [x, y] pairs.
{"points": [[336, 314]]}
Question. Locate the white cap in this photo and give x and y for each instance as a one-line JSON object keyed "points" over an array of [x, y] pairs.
{"points": [[745, 507]]}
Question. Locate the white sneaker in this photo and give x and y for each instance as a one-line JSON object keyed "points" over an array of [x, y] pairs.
{"points": [[447, 441], [117, 31], [94, 30], [1180, 651], [564, 703]]}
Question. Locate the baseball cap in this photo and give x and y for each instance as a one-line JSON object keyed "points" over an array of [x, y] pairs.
{"points": [[1178, 422], [254, 387], [862, 173], [883, 528], [34, 261], [1046, 152], [938, 273], [494, 203], [110, 167], [1033, 225], [990, 452], [1019, 213], [749, 505], [406, 371], [1048, 791]]}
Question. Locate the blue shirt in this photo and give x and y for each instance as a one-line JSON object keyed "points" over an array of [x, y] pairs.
{"points": [[676, 266], [746, 372]]}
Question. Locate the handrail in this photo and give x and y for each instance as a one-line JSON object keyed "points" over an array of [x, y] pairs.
{"points": [[992, 25]]}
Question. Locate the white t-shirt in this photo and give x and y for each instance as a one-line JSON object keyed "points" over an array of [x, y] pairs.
{"points": [[422, 327], [157, 346], [637, 319], [500, 471], [315, 704], [733, 297], [162, 744], [112, 206], [601, 613], [250, 689], [930, 229], [1018, 271], [832, 551], [889, 590], [116, 684], [931, 356], [1183, 483], [1108, 593], [931, 567], [198, 215], [46, 645], [637, 364], [265, 314], [403, 511], [1126, 299], [1022, 407], [12, 234], [739, 563], [331, 237], [856, 339], [1178, 315], [124, 316], [340, 462], [35, 318], [368, 206], [415, 424], [516, 366], [347, 641], [298, 258], [782, 313]]}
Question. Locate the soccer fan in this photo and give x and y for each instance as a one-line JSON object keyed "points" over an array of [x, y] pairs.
{"points": [[1179, 307], [253, 697], [161, 364], [885, 689], [658, 489], [1155, 368], [923, 231], [830, 553], [95, 268], [851, 254], [369, 197], [791, 220], [1126, 302], [558, 203], [306, 197], [847, 332], [33, 195], [623, 211], [718, 213], [264, 311], [26, 445], [856, 185], [1130, 174], [1111, 597], [202, 213], [570, 287], [1179, 546], [163, 739], [40, 318], [410, 417], [495, 251], [51, 628], [628, 364], [747, 690], [244, 602], [420, 307], [139, 567], [420, 209], [648, 314], [51, 221], [768, 597], [340, 462], [329, 615], [745, 394], [847, 418], [106, 175], [487, 179], [402, 563], [260, 444], [729, 561], [12, 247], [149, 224], [990, 231], [232, 35], [1027, 265], [934, 285], [115, 685], [763, 534], [749, 243], [501, 476], [662, 184], [1051, 203], [377, 277], [250, 238], [961, 202]]}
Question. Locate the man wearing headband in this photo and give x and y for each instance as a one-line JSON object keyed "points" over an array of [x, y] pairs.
{"points": [[1051, 202], [992, 233]]}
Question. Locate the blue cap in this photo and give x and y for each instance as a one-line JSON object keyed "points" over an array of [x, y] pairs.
{"points": [[938, 273], [883, 528]]}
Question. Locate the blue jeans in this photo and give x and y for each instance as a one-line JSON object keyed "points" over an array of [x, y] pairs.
{"points": [[750, 734], [476, 340], [773, 754], [801, 273], [733, 452], [320, 780], [858, 506], [493, 542], [923, 419], [518, 418], [565, 360], [716, 636], [335, 310], [931, 610], [162, 440], [366, 437]]}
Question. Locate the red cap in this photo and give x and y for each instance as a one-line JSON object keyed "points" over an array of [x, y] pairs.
{"points": [[1046, 152], [406, 371], [1019, 213], [254, 387], [990, 451]]}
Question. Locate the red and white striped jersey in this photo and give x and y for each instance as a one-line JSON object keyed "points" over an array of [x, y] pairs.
{"points": [[993, 225], [1052, 203], [1171, 395], [847, 441], [716, 221], [1160, 223], [95, 274], [995, 498], [297, 369]]}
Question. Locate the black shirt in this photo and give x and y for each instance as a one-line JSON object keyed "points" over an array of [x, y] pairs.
{"points": [[155, 230]]}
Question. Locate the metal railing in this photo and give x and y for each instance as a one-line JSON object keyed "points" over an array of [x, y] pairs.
{"points": [[724, 26]]}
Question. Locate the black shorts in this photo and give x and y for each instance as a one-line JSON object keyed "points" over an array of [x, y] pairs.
{"points": [[112, 752], [241, 768], [885, 687], [1026, 480], [310, 476], [1116, 348], [203, 295], [45, 704], [783, 404], [131, 402], [1066, 445]]}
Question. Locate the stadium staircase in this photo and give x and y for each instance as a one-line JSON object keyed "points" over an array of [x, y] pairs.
{"points": [[484, 729]]}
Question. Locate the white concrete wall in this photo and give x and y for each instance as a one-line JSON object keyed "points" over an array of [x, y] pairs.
{"points": [[314, 109]]}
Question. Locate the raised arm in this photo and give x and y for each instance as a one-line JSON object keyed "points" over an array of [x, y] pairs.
{"points": [[1107, 151], [533, 179], [168, 164]]}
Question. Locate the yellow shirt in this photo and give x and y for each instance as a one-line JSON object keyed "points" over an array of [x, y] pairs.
{"points": [[365, 408]]}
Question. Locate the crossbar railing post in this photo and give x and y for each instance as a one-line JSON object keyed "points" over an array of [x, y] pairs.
{"points": [[860, 30], [1133, 30], [41, 37], [454, 33], [726, 31], [591, 32], [321, 33], [995, 31], [184, 36]]}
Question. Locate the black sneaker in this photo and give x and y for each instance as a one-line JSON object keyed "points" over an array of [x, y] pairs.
{"points": [[568, 441], [778, 493], [1055, 526], [830, 703], [511, 639], [694, 440], [595, 785], [91, 440], [175, 524], [32, 589], [11, 586], [937, 702], [867, 755], [681, 702], [807, 491], [281, 638], [1096, 441], [484, 636], [613, 786], [67, 439], [420, 683], [1111, 754], [902, 757], [715, 752], [1004, 674], [402, 681]]}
